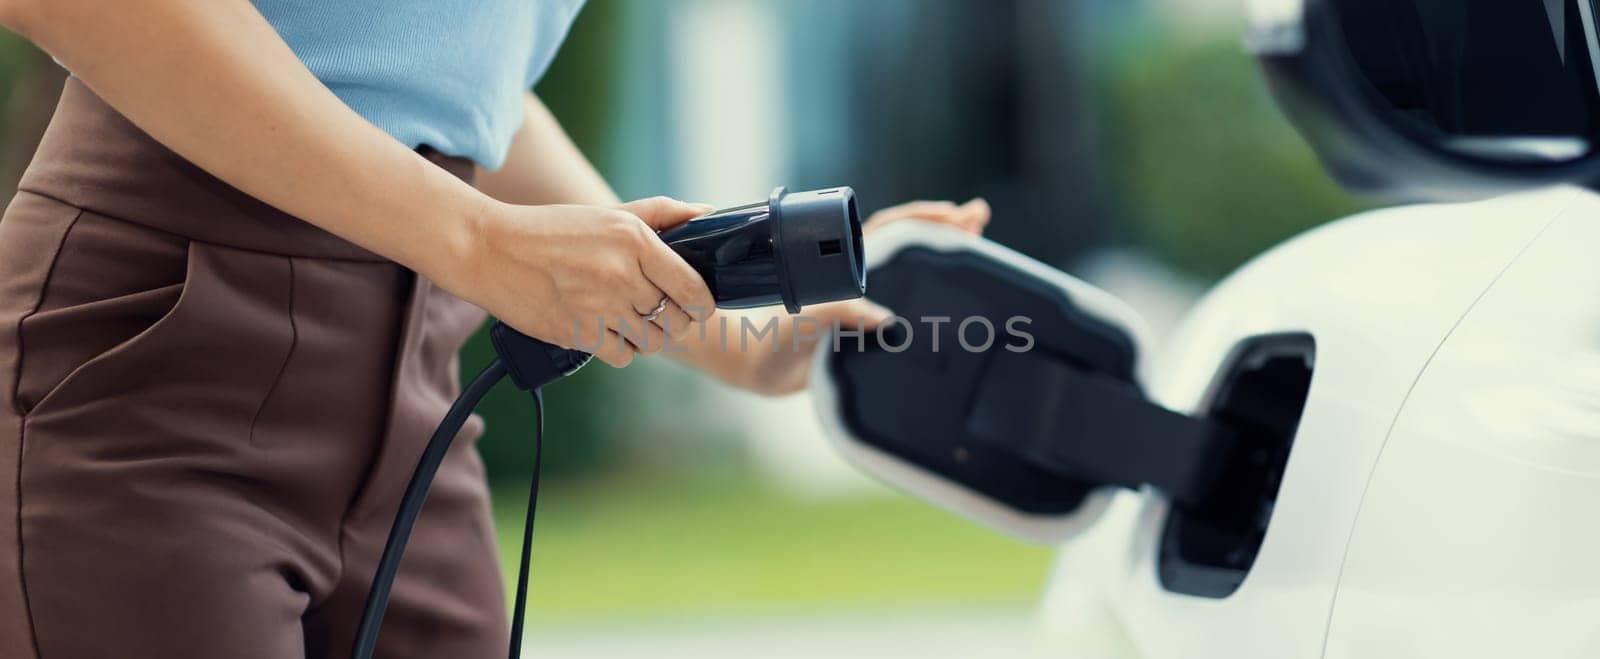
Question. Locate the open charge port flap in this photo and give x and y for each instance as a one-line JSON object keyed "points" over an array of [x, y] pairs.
{"points": [[1208, 548], [1034, 428], [914, 402]]}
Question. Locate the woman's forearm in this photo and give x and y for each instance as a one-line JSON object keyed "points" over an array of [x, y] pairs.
{"points": [[215, 83], [544, 166]]}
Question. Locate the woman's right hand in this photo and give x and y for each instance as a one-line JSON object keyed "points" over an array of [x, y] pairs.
{"points": [[578, 276]]}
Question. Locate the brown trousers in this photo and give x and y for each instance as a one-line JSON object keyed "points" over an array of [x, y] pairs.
{"points": [[209, 412]]}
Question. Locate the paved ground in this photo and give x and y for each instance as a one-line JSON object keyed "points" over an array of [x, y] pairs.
{"points": [[938, 636]]}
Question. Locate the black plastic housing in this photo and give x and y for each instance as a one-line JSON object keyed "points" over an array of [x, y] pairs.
{"points": [[1025, 427], [797, 249], [923, 404], [532, 363]]}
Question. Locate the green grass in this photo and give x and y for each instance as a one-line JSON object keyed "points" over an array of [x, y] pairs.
{"points": [[653, 549]]}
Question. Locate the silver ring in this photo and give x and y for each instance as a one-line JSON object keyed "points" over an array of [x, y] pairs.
{"points": [[656, 313]]}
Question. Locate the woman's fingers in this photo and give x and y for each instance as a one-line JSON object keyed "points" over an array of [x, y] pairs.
{"points": [[932, 211], [650, 302], [857, 314], [662, 287], [664, 314], [975, 215], [645, 337], [674, 322], [670, 274], [614, 350], [970, 217], [599, 337], [667, 271]]}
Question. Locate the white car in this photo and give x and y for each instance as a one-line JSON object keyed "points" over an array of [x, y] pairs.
{"points": [[1379, 439]]}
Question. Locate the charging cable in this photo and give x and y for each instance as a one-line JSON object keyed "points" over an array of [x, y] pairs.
{"points": [[530, 364]]}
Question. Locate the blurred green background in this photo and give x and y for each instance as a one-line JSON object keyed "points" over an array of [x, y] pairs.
{"points": [[1093, 126], [1189, 162]]}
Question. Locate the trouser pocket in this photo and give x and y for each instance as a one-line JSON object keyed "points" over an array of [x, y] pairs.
{"points": [[111, 285]]}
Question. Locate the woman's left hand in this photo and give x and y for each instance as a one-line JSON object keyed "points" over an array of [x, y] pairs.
{"points": [[784, 367]]}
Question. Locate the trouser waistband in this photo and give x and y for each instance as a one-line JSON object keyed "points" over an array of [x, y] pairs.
{"points": [[93, 158]]}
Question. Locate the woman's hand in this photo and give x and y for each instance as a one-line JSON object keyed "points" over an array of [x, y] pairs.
{"points": [[582, 276], [781, 363], [970, 217]]}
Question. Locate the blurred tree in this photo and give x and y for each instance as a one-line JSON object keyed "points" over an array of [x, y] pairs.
{"points": [[30, 84], [908, 99], [1208, 172]]}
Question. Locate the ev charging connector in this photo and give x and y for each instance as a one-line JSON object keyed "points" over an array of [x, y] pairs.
{"points": [[795, 249]]}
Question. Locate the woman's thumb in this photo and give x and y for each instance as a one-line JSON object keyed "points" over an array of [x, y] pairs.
{"points": [[663, 213]]}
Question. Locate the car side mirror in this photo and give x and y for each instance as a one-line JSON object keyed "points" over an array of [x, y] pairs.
{"points": [[1425, 100]]}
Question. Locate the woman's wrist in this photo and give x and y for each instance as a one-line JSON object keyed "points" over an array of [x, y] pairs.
{"points": [[456, 243], [437, 225]]}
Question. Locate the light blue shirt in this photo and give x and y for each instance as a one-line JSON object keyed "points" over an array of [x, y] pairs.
{"points": [[448, 74]]}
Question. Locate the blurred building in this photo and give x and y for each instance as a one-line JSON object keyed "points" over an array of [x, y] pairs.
{"points": [[906, 99]]}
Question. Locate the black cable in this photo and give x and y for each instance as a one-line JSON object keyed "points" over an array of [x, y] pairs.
{"points": [[520, 610], [411, 506]]}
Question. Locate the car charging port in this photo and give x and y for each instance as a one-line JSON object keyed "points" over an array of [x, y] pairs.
{"points": [[1208, 547]]}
